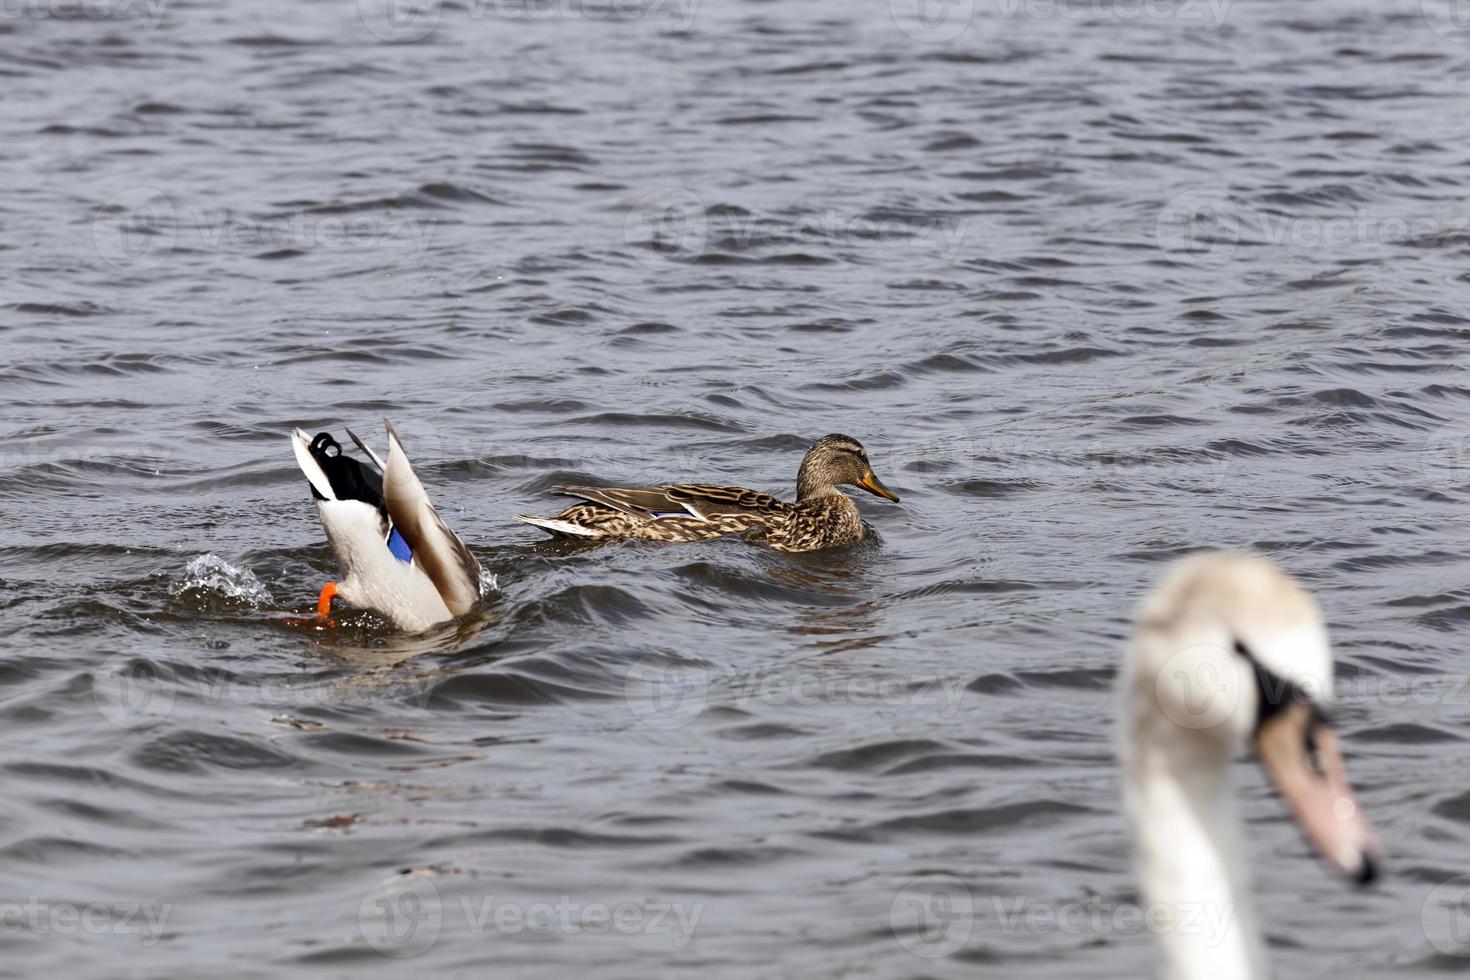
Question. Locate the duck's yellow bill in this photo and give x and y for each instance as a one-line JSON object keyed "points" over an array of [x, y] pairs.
{"points": [[873, 485]]}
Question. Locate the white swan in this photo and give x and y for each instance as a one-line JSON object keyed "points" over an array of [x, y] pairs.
{"points": [[1228, 653]]}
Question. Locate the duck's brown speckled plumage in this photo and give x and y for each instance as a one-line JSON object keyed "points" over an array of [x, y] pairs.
{"points": [[821, 517]]}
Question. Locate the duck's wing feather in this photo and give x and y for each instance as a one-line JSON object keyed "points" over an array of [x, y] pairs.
{"points": [[453, 569], [680, 500], [377, 460]]}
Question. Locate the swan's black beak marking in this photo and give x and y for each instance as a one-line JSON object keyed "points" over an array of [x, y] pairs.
{"points": [[1367, 871]]}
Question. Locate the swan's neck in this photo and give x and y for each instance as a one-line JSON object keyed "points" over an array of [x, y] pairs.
{"points": [[1196, 892]]}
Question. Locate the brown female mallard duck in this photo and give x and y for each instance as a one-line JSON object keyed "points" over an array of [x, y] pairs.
{"points": [[822, 516]]}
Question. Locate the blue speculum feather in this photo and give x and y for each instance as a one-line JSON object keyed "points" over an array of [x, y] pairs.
{"points": [[398, 546]]}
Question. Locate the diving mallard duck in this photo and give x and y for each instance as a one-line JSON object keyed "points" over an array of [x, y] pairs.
{"points": [[822, 516], [401, 560]]}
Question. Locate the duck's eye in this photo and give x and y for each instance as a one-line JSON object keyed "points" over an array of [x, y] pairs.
{"points": [[334, 450]]}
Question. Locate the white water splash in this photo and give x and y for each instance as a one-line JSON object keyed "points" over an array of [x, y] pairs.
{"points": [[488, 583], [212, 575]]}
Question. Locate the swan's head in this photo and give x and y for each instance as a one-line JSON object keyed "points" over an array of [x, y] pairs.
{"points": [[1230, 654]]}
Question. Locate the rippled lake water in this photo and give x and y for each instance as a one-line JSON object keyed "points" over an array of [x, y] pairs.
{"points": [[1096, 284]]}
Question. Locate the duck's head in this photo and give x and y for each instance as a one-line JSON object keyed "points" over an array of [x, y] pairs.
{"points": [[1231, 654], [835, 460]]}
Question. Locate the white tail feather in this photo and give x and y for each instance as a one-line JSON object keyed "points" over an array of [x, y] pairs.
{"points": [[559, 527], [301, 446]]}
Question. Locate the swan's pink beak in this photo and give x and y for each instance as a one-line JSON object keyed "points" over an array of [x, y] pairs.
{"points": [[1300, 753]]}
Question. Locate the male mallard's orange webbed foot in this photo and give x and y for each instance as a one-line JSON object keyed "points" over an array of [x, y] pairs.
{"points": [[324, 602]]}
